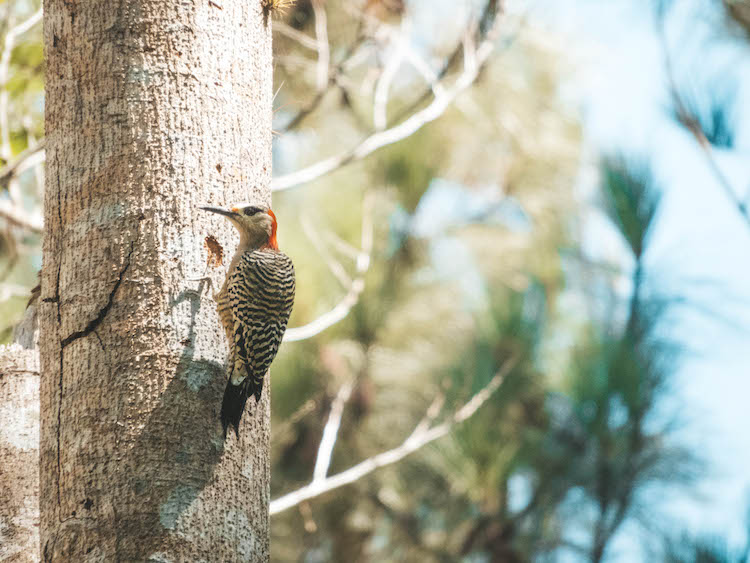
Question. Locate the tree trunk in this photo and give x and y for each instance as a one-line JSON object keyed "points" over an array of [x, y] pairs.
{"points": [[19, 455], [152, 109]]}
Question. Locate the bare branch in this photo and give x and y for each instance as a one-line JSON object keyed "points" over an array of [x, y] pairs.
{"points": [[18, 217], [691, 124], [330, 432], [486, 26], [424, 68], [432, 412], [301, 38], [324, 52], [347, 59], [414, 442], [411, 125], [29, 158], [380, 103], [342, 309]]}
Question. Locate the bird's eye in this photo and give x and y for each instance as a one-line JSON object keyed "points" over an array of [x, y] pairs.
{"points": [[252, 210]]}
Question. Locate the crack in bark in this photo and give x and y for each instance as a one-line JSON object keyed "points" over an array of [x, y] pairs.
{"points": [[56, 300], [59, 419], [90, 327], [96, 321]]}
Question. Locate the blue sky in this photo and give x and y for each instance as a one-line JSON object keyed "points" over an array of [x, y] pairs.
{"points": [[700, 248]]}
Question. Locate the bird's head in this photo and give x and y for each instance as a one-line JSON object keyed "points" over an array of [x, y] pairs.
{"points": [[256, 224]]}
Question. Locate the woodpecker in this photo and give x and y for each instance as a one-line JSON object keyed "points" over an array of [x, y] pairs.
{"points": [[254, 305]]}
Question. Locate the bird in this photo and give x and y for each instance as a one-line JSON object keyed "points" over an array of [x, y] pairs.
{"points": [[254, 305]]}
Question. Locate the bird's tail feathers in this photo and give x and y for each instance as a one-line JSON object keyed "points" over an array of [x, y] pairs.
{"points": [[233, 405]]}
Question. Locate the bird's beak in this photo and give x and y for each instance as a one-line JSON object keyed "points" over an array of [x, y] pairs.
{"points": [[220, 211]]}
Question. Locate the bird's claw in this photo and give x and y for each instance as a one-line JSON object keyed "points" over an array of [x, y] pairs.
{"points": [[203, 280]]}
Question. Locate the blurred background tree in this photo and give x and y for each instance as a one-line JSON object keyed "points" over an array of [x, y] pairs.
{"points": [[499, 394], [21, 150]]}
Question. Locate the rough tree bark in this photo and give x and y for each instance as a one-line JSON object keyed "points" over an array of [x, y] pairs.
{"points": [[152, 108], [19, 455]]}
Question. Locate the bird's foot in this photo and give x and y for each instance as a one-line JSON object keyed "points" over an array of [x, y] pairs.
{"points": [[204, 280]]}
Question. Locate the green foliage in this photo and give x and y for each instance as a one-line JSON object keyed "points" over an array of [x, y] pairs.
{"points": [[688, 548], [702, 550], [711, 112], [631, 200]]}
